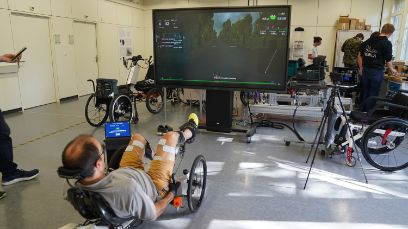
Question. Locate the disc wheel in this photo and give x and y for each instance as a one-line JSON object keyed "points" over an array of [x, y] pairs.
{"points": [[120, 109], [385, 144], [95, 114], [196, 183], [154, 100]]}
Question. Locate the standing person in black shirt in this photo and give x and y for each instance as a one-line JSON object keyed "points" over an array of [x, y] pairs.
{"points": [[373, 55]]}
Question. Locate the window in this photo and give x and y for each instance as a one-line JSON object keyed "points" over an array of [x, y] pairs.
{"points": [[404, 49], [396, 21], [399, 37], [398, 6]]}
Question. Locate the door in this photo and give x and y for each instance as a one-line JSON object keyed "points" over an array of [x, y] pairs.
{"points": [[35, 74], [85, 55]]}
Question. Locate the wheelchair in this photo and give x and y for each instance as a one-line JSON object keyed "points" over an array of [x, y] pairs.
{"points": [[93, 207], [381, 133], [119, 102]]}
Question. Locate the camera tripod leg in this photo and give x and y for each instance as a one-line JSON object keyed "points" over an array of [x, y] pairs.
{"points": [[351, 135]]}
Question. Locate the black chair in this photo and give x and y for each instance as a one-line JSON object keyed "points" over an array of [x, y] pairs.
{"points": [[92, 206]]}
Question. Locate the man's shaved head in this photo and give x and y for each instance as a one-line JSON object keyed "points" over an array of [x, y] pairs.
{"points": [[81, 153]]}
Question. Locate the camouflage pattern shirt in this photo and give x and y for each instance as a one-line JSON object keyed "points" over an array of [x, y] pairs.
{"points": [[350, 48]]}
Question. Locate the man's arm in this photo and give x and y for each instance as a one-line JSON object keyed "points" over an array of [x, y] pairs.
{"points": [[391, 68], [360, 64], [163, 203]]}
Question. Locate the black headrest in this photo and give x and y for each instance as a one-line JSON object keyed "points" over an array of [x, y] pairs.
{"points": [[69, 173]]}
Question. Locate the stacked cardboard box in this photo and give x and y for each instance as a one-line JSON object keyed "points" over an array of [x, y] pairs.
{"points": [[346, 23]]}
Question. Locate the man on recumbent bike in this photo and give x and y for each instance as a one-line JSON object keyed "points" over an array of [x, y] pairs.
{"points": [[129, 190]]}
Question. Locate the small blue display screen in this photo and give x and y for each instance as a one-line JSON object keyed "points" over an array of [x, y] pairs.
{"points": [[117, 129]]}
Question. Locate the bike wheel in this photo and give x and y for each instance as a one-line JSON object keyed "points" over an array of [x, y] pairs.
{"points": [[95, 114], [385, 144], [154, 100], [120, 109], [196, 183]]}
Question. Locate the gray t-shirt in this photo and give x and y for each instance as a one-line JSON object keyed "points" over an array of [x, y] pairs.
{"points": [[129, 192]]}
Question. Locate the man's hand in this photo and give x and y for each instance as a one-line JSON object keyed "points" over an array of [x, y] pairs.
{"points": [[8, 58], [393, 72], [360, 72]]}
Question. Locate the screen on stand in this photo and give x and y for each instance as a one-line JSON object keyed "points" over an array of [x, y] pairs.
{"points": [[233, 48]]}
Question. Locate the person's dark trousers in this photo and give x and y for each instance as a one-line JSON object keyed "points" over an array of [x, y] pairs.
{"points": [[372, 80], [7, 165]]}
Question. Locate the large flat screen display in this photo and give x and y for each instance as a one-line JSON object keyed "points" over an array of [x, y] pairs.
{"points": [[232, 48]]}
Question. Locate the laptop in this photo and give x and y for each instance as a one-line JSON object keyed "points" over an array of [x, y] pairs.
{"points": [[117, 135], [117, 130]]}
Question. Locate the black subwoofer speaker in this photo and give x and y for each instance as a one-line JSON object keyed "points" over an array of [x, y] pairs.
{"points": [[219, 110]]}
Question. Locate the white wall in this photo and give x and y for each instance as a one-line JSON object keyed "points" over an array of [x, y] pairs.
{"points": [[317, 17], [108, 15]]}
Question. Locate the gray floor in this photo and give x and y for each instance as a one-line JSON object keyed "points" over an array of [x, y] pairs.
{"points": [[257, 185]]}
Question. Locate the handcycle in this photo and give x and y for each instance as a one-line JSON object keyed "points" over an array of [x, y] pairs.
{"points": [[93, 207], [381, 134], [119, 102]]}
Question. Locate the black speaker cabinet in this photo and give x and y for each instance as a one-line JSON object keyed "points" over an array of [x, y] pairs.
{"points": [[219, 110]]}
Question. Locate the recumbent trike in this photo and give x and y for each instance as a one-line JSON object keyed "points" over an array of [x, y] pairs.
{"points": [[97, 211]]}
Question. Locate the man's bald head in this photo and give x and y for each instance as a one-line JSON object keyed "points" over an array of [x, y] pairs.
{"points": [[81, 153]]}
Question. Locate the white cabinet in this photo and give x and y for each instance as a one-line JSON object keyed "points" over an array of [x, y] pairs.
{"points": [[85, 10], [138, 18], [107, 12], [61, 8], [3, 4], [31, 6], [64, 57], [124, 15]]}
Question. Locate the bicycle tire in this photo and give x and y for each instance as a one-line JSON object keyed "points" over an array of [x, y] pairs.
{"points": [[154, 97], [120, 109], [195, 181], [380, 142], [98, 109]]}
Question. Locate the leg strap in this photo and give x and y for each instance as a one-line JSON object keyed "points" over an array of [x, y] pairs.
{"points": [[168, 149], [181, 139]]}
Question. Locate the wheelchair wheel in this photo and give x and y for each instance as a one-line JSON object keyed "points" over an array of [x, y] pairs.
{"points": [[154, 100], [385, 144], [95, 114], [120, 109], [196, 183]]}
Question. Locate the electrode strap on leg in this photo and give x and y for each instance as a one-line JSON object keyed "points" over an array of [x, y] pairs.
{"points": [[168, 149], [134, 143]]}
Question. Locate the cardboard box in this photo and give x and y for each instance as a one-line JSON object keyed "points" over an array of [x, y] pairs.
{"points": [[343, 26], [353, 23], [368, 27], [344, 19], [343, 23], [361, 25]]}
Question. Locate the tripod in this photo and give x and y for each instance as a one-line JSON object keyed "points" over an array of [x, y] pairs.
{"points": [[335, 92]]}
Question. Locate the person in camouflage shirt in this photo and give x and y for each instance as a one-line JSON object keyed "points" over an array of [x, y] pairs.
{"points": [[350, 48]]}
